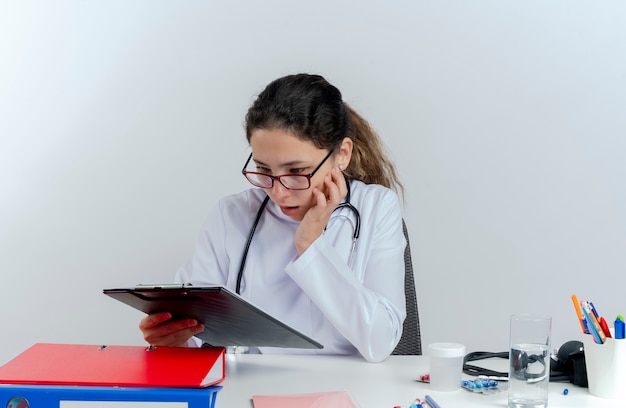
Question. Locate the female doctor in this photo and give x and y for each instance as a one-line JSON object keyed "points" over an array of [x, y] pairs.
{"points": [[326, 250]]}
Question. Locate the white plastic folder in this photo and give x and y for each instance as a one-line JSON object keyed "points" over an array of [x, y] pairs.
{"points": [[330, 399]]}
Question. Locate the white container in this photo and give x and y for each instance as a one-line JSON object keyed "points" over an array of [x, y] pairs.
{"points": [[446, 366], [606, 367]]}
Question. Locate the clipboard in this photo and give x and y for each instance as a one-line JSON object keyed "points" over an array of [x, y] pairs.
{"points": [[229, 320]]}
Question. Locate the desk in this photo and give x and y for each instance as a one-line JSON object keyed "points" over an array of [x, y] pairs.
{"points": [[372, 385]]}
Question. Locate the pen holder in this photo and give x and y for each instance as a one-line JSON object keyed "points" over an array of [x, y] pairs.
{"points": [[606, 367]]}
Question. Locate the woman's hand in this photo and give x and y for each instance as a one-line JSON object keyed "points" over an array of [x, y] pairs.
{"points": [[315, 220], [159, 330]]}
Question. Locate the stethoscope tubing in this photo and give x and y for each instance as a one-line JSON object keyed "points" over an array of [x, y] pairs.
{"points": [[244, 256]]}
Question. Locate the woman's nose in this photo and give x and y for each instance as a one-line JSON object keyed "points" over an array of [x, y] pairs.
{"points": [[278, 190]]}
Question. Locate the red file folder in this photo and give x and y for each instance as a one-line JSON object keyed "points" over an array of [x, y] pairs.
{"points": [[130, 366]]}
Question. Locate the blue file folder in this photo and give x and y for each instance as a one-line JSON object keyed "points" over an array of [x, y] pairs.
{"points": [[36, 396]]}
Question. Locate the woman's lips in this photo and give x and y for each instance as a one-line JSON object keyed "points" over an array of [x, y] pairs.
{"points": [[289, 211]]}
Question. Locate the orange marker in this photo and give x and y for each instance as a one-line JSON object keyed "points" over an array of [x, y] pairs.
{"points": [[579, 312]]}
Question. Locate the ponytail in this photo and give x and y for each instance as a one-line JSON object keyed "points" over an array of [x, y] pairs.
{"points": [[369, 162]]}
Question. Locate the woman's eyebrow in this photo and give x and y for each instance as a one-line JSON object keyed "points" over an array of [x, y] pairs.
{"points": [[287, 164]]}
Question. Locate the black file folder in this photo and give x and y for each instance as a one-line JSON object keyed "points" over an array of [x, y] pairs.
{"points": [[229, 320]]}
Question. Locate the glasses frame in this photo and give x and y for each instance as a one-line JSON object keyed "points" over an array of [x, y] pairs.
{"points": [[272, 178]]}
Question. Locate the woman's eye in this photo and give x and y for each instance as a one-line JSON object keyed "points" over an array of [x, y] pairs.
{"points": [[263, 170], [296, 171]]}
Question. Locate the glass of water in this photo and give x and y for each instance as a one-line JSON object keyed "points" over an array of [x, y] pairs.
{"points": [[529, 359]]}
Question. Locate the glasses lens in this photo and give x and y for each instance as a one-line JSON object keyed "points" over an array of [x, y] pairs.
{"points": [[295, 182], [259, 180]]}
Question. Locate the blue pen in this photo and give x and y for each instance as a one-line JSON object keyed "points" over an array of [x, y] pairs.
{"points": [[593, 309], [431, 402]]}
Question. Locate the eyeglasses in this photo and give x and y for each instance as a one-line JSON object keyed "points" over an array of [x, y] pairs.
{"points": [[290, 181]]}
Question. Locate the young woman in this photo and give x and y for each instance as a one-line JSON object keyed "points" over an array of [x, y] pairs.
{"points": [[326, 255]]}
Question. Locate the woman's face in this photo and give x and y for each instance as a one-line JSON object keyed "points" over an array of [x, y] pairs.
{"points": [[277, 152]]}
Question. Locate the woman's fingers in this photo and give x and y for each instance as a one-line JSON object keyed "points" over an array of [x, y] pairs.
{"points": [[159, 330], [153, 320], [336, 188], [340, 182], [315, 220]]}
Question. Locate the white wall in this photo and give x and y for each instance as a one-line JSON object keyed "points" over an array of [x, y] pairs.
{"points": [[121, 125]]}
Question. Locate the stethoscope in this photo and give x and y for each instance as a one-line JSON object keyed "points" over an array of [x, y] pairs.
{"points": [[344, 204]]}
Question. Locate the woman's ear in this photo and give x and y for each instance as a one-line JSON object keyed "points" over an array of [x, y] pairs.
{"points": [[345, 153]]}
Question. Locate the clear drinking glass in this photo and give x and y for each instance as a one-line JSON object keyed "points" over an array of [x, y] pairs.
{"points": [[529, 359]]}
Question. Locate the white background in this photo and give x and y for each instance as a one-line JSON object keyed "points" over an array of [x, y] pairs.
{"points": [[121, 125]]}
